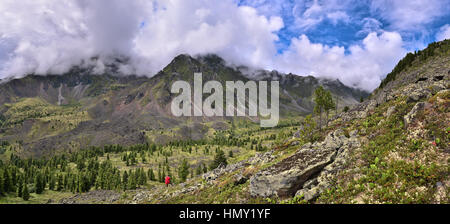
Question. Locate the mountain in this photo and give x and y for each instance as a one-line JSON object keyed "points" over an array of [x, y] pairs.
{"points": [[391, 148], [79, 109]]}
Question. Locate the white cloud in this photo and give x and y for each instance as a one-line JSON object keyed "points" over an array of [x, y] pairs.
{"points": [[239, 34], [363, 67], [338, 16], [308, 14], [48, 36], [444, 33], [370, 25], [51, 36], [409, 15]]}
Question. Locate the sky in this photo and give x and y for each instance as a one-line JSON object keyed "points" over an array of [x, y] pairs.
{"points": [[355, 41]]}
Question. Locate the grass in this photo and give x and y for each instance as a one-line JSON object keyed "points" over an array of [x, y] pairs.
{"points": [[45, 197], [46, 119], [395, 165]]}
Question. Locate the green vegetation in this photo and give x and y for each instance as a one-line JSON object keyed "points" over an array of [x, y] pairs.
{"points": [[324, 102], [394, 167], [433, 49]]}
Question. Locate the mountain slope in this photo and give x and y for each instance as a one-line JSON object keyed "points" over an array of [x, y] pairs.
{"points": [[392, 148], [78, 109]]}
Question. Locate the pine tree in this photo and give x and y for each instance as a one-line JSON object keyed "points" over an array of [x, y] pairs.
{"points": [[125, 180], [52, 183], [183, 170], [60, 185], [25, 193], [2, 182], [230, 154], [219, 159], [319, 95], [38, 183], [19, 187], [328, 103], [307, 132], [151, 175]]}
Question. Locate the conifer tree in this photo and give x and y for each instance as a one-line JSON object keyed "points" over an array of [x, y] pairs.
{"points": [[60, 185], [25, 193], [219, 159], [319, 95], [183, 170], [307, 132], [2, 182], [328, 103], [38, 183], [19, 187]]}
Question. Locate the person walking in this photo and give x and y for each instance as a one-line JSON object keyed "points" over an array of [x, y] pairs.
{"points": [[167, 181]]}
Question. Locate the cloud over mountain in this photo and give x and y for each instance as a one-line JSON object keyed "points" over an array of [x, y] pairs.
{"points": [[51, 36]]}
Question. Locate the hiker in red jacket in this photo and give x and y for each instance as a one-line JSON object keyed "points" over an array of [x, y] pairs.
{"points": [[167, 181]]}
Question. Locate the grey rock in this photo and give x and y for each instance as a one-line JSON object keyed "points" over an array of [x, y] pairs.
{"points": [[390, 111], [418, 95], [240, 179], [308, 194], [411, 116], [259, 158], [435, 88], [290, 175]]}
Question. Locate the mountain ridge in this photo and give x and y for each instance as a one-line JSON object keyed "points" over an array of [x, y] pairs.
{"points": [[129, 109]]}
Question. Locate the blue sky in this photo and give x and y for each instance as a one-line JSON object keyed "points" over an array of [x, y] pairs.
{"points": [[355, 41], [354, 19]]}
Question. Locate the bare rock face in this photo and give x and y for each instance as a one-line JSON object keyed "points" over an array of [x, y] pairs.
{"points": [[294, 173], [409, 118], [314, 187]]}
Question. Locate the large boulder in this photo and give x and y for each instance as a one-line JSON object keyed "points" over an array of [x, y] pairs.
{"points": [[290, 175], [314, 187]]}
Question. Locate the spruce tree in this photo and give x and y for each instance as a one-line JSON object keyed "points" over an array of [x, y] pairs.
{"points": [[19, 187], [38, 183], [219, 159], [183, 170], [328, 103], [307, 132], [60, 185], [319, 95], [25, 193]]}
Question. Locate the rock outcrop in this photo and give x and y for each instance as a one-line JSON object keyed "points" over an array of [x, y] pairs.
{"points": [[309, 169], [409, 118], [259, 158]]}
